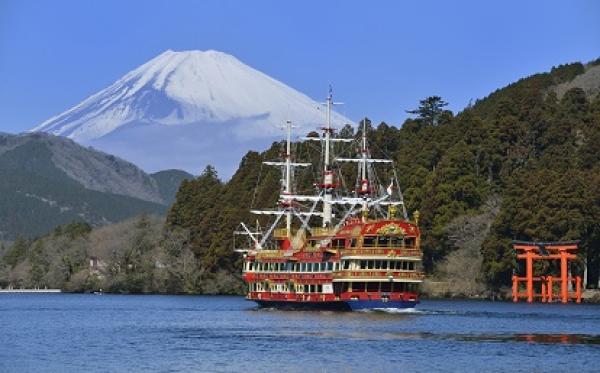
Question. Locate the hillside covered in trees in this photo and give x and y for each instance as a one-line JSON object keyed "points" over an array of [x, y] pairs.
{"points": [[522, 163]]}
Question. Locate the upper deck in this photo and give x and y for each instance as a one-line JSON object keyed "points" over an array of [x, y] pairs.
{"points": [[354, 240]]}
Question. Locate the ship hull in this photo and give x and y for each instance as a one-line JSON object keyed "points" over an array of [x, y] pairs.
{"points": [[364, 305], [357, 305], [286, 305]]}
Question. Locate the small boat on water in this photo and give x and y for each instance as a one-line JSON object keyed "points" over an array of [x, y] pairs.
{"points": [[361, 256]]}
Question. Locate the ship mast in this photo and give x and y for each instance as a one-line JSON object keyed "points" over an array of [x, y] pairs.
{"points": [[328, 176], [365, 187], [288, 178], [366, 195]]}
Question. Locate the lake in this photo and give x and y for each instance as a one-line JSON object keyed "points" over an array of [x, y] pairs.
{"points": [[129, 333]]}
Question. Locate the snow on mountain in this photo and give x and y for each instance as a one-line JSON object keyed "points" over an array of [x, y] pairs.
{"points": [[187, 109]]}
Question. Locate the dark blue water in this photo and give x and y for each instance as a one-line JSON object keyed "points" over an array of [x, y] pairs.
{"points": [[101, 333]]}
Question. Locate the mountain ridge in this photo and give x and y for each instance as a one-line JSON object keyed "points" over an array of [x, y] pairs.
{"points": [[46, 181]]}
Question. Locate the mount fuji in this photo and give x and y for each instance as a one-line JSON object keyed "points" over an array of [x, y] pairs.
{"points": [[187, 109]]}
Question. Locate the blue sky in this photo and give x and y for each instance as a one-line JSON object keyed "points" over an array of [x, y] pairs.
{"points": [[380, 56]]}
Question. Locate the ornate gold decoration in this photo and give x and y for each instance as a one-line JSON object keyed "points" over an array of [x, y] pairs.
{"points": [[416, 215], [392, 209], [391, 229]]}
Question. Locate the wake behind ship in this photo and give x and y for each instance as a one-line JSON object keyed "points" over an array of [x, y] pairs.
{"points": [[360, 256]]}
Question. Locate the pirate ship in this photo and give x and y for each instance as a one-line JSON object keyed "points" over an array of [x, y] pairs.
{"points": [[364, 252]]}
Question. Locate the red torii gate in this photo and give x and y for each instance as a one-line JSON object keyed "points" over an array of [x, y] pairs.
{"points": [[530, 251]]}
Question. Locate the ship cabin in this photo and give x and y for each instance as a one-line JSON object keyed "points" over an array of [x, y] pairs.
{"points": [[372, 260]]}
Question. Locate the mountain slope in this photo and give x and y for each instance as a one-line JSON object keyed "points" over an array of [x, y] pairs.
{"points": [[47, 181], [168, 183], [92, 169], [187, 109]]}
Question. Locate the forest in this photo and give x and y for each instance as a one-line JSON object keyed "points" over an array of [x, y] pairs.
{"points": [[520, 164]]}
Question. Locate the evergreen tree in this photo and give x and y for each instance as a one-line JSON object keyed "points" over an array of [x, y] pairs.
{"points": [[430, 110]]}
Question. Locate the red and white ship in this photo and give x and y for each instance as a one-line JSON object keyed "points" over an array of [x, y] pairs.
{"points": [[361, 256]]}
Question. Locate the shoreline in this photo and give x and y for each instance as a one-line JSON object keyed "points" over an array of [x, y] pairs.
{"points": [[13, 291]]}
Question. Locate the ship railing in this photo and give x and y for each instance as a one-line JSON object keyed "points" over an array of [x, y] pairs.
{"points": [[322, 232], [282, 232], [382, 274], [274, 254], [389, 252], [287, 276]]}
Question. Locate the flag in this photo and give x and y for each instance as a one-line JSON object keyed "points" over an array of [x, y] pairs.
{"points": [[389, 188]]}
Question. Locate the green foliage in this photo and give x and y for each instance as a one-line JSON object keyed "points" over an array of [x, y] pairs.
{"points": [[17, 252], [168, 183], [430, 110], [520, 145], [134, 256]]}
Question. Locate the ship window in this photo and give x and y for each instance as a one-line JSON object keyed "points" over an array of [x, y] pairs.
{"points": [[396, 241], [329, 266], [410, 241], [384, 264], [363, 264], [353, 242], [338, 243], [369, 241], [346, 264], [383, 241], [323, 264], [377, 264], [411, 266]]}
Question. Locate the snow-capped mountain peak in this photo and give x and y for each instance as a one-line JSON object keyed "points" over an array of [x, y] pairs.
{"points": [[188, 91], [183, 88]]}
